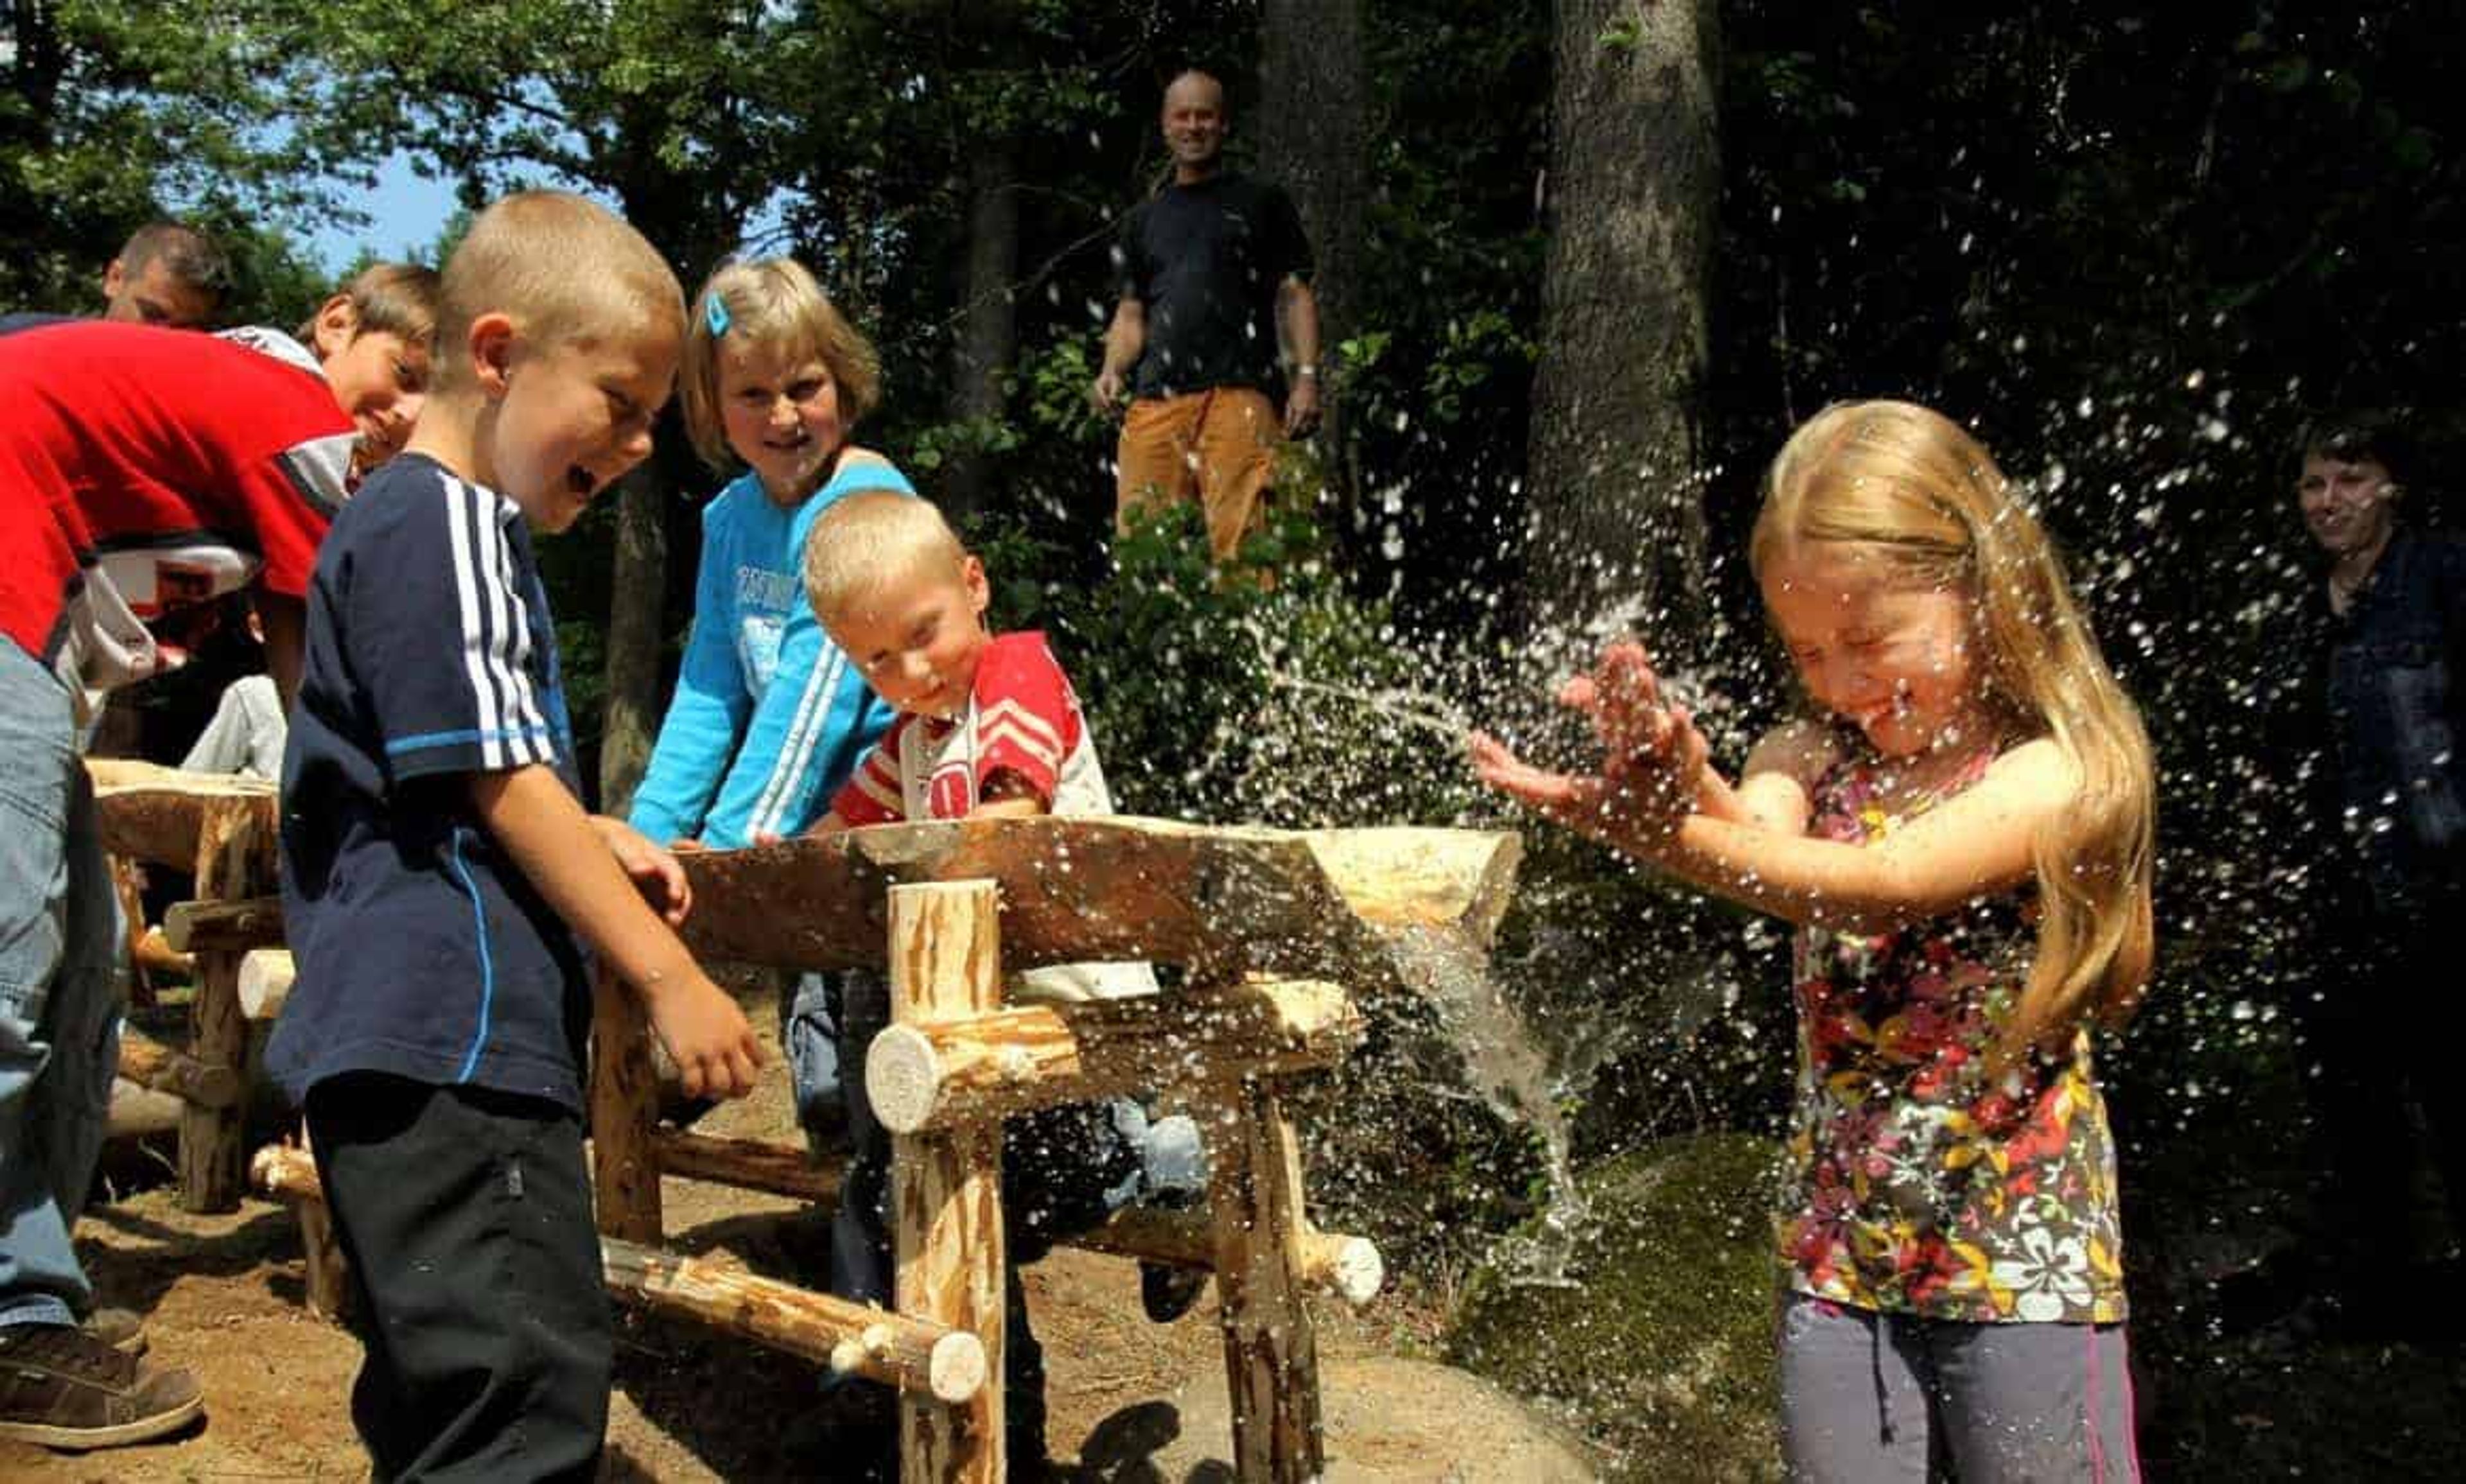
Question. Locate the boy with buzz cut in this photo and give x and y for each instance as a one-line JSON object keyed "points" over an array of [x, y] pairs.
{"points": [[441, 883], [988, 725]]}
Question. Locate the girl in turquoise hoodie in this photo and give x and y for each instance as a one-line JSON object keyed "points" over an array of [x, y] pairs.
{"points": [[769, 717]]}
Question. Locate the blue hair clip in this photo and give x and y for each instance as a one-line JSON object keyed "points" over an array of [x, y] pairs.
{"points": [[714, 313]]}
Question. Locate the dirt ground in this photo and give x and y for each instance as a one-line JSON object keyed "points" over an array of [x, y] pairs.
{"points": [[225, 1296]]}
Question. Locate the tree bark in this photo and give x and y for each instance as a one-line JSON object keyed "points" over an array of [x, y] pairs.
{"points": [[1313, 132], [1616, 505], [636, 609], [988, 341]]}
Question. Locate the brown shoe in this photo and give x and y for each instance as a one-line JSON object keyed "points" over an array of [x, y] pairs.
{"points": [[62, 1388], [121, 1329]]}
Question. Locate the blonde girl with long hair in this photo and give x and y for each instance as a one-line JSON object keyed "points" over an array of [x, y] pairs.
{"points": [[1961, 832]]}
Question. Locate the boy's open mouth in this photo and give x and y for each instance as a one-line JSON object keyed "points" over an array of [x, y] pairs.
{"points": [[581, 482]]}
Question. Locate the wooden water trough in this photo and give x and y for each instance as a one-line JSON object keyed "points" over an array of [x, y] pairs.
{"points": [[1265, 927]]}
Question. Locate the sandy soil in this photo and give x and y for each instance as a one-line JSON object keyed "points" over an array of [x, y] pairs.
{"points": [[224, 1296]]}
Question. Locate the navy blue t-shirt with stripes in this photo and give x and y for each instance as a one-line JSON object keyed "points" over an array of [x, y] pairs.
{"points": [[422, 950]]}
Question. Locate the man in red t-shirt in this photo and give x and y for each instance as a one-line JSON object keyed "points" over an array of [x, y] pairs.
{"points": [[141, 470]]}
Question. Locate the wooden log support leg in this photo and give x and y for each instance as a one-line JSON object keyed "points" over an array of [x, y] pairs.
{"points": [[946, 1187], [234, 861], [624, 1115], [1270, 1353]]}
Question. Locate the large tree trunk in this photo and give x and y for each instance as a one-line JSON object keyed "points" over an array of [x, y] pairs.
{"points": [[688, 217], [1313, 135], [636, 613], [988, 340], [1616, 510]]}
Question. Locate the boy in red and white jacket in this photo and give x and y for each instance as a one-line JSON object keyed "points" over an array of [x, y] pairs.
{"points": [[988, 726]]}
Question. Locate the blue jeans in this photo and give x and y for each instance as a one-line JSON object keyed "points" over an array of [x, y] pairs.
{"points": [[59, 995], [809, 1035]]}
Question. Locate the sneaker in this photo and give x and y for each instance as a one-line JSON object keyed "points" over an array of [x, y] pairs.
{"points": [[62, 1387], [1167, 1292], [121, 1329]]}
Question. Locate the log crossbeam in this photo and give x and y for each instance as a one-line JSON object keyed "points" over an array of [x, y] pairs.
{"points": [[747, 1164], [851, 1339], [234, 927], [951, 1072], [150, 1064], [920, 1358]]}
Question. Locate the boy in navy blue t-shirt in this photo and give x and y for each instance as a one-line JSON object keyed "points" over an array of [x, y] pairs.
{"points": [[442, 881]]}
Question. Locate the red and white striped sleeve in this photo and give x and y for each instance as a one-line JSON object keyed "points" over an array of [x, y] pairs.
{"points": [[1027, 720]]}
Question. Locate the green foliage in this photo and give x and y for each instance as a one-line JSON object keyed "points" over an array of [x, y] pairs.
{"points": [[114, 114], [1220, 696]]}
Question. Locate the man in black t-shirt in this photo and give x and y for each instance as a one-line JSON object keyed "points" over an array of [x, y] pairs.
{"points": [[1209, 269]]}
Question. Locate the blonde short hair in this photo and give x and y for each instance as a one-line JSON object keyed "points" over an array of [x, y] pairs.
{"points": [[869, 540], [390, 299], [776, 304], [563, 267]]}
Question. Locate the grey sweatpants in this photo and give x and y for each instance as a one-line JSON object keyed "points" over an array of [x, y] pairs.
{"points": [[1868, 1397]]}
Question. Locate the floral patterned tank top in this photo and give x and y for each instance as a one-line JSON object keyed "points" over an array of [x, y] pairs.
{"points": [[1915, 1186]]}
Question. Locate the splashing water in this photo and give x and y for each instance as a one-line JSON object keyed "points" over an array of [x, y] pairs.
{"points": [[1512, 1074], [1411, 708]]}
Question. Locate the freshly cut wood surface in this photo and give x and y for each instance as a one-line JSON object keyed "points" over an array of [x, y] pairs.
{"points": [[1411, 876], [265, 978]]}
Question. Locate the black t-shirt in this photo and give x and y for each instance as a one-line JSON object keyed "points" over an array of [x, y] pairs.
{"points": [[1206, 260], [424, 950]]}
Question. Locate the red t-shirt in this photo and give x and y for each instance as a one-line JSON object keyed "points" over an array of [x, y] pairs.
{"points": [[145, 469], [1022, 719]]}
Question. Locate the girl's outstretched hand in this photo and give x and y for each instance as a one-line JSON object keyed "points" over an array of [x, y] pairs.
{"points": [[1635, 804], [1621, 696]]}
